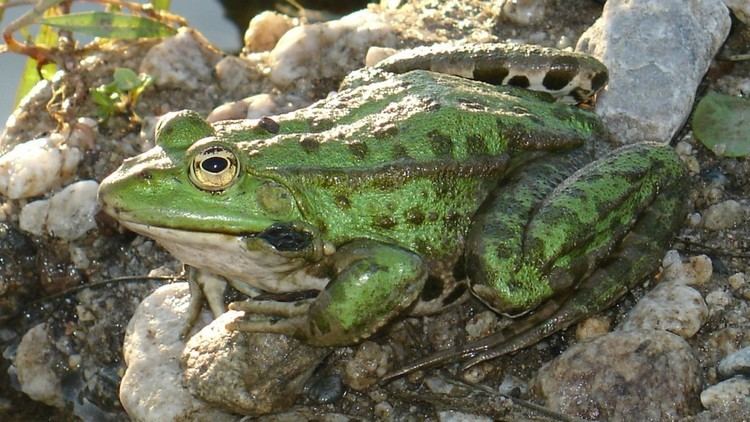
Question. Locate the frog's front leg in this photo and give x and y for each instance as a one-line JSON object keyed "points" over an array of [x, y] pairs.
{"points": [[203, 285], [372, 283]]}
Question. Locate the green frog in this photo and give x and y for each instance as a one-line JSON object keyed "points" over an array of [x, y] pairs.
{"points": [[436, 166]]}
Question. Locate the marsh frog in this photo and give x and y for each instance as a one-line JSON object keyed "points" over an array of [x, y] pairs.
{"points": [[438, 165]]}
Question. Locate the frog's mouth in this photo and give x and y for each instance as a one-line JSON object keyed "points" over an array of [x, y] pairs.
{"points": [[228, 255], [283, 237]]}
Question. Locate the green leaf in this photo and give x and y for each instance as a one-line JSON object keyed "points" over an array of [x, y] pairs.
{"points": [[161, 4], [125, 79], [110, 25], [722, 123]]}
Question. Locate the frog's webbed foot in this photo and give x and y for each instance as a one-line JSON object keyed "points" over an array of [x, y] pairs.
{"points": [[655, 189], [204, 287], [267, 316]]}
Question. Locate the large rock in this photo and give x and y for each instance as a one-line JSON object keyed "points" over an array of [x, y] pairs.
{"points": [[639, 375], [657, 52], [248, 373]]}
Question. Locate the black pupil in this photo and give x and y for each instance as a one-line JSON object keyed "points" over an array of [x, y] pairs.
{"points": [[215, 164]]}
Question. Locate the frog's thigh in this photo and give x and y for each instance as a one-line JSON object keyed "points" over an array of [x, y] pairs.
{"points": [[630, 261], [582, 222], [498, 269], [373, 283]]}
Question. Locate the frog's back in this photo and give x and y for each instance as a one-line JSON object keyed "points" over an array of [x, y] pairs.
{"points": [[409, 159]]}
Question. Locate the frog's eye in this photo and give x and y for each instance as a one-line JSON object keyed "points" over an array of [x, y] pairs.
{"points": [[275, 199], [214, 169]]}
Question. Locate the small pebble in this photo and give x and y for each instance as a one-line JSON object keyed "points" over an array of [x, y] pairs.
{"points": [[738, 283], [674, 307], [741, 9], [731, 390], [723, 215], [696, 271], [523, 12], [325, 389], [592, 327], [37, 166], [717, 300], [738, 363], [370, 362]]}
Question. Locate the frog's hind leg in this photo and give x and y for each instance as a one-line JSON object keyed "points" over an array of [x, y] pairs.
{"points": [[579, 278]]}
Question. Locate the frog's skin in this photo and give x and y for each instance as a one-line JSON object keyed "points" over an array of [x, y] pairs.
{"points": [[406, 176]]}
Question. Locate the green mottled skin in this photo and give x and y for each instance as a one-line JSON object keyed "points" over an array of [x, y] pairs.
{"points": [[397, 179]]}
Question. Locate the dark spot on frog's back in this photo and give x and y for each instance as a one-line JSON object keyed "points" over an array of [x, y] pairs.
{"points": [[385, 222], [440, 143], [520, 81], [342, 202], [557, 79], [415, 216], [491, 75], [598, 81], [286, 237], [309, 144], [400, 152], [358, 150], [476, 145]]}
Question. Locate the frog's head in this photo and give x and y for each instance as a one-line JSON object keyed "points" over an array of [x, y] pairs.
{"points": [[193, 180]]}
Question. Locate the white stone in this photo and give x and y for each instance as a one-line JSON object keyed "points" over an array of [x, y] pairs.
{"points": [[265, 29], [184, 61], [151, 389], [674, 307], [72, 210], [33, 366], [328, 49], [68, 214], [37, 166], [33, 217]]}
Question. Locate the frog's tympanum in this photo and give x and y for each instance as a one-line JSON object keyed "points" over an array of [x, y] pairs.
{"points": [[437, 165]]}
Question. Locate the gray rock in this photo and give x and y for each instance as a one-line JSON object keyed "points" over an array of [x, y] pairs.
{"points": [[624, 375], [657, 53], [673, 307], [738, 363], [735, 389], [247, 373], [723, 215]]}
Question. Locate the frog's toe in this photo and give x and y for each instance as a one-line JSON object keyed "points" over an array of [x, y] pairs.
{"points": [[286, 326], [270, 307]]}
